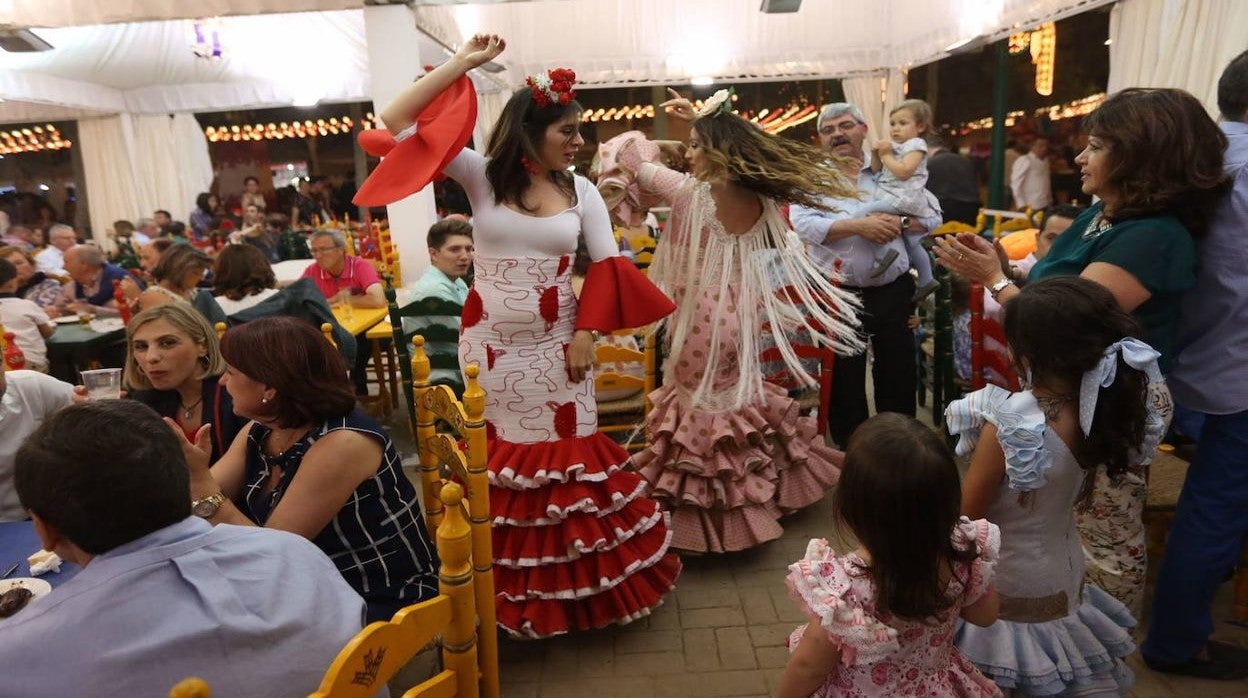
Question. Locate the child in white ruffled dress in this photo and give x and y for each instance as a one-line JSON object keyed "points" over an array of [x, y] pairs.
{"points": [[1096, 402], [883, 616]]}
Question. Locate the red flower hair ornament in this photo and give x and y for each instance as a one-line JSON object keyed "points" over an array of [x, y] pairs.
{"points": [[555, 87]]}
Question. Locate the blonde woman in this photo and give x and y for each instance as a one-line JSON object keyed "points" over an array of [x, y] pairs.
{"points": [[173, 364], [729, 453]]}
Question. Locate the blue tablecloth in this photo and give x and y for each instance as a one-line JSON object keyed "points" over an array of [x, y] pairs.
{"points": [[17, 542]]}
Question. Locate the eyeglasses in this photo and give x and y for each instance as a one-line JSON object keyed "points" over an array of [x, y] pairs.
{"points": [[322, 250], [830, 129]]}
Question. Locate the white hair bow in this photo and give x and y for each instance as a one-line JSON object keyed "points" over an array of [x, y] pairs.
{"points": [[1137, 354]]}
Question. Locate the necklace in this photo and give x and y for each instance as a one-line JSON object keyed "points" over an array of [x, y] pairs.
{"points": [[1052, 405], [186, 409], [1099, 224], [287, 441]]}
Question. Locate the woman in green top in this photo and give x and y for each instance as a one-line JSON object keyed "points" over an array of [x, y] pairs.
{"points": [[1154, 158]]}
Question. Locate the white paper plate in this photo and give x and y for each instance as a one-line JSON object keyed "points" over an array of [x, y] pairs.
{"points": [[65, 319], [38, 587]]}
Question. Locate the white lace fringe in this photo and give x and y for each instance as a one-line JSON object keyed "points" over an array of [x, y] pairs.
{"points": [[756, 266]]}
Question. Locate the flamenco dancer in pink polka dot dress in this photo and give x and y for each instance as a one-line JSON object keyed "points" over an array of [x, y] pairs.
{"points": [[729, 454], [576, 544]]}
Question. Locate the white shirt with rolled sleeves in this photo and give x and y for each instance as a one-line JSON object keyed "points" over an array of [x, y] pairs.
{"points": [[51, 261], [857, 254], [1031, 183], [29, 399]]}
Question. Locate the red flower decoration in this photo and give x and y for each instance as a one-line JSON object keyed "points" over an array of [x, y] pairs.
{"points": [[557, 87], [564, 419], [474, 310]]}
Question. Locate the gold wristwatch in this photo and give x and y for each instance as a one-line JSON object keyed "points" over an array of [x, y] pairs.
{"points": [[207, 507]]}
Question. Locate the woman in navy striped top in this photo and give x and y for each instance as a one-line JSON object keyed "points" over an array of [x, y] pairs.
{"points": [[312, 464]]}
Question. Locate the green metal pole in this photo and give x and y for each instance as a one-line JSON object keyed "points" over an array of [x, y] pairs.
{"points": [[996, 166]]}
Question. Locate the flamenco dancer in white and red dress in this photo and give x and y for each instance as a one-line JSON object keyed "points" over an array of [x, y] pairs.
{"points": [[729, 454], [576, 544]]}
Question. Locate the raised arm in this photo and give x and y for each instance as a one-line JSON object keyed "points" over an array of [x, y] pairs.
{"points": [[903, 167], [477, 51]]}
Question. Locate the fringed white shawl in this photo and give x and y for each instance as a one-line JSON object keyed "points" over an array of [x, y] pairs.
{"points": [[758, 267]]}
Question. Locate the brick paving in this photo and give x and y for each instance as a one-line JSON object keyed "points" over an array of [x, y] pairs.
{"points": [[722, 632]]}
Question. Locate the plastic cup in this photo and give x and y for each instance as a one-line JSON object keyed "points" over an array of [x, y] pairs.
{"points": [[103, 384]]}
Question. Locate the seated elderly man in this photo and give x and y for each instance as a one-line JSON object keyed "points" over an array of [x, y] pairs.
{"points": [[345, 280], [92, 287], [27, 399], [162, 594], [18, 236], [52, 260]]}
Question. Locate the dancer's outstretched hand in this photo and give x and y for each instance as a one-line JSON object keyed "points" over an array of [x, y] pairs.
{"points": [[679, 107], [481, 49]]}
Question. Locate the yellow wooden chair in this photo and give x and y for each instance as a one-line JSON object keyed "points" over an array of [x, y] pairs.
{"points": [[377, 653], [193, 687], [643, 247], [956, 228], [389, 255], [626, 414], [440, 453]]}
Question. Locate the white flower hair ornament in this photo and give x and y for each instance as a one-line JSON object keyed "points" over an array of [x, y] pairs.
{"points": [[716, 104]]}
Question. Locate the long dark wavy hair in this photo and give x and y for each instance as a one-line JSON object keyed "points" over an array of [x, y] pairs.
{"points": [[1059, 328], [1165, 154], [518, 134], [778, 168], [900, 495]]}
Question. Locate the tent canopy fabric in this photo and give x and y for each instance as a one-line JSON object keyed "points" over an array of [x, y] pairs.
{"points": [[103, 64], [149, 68]]}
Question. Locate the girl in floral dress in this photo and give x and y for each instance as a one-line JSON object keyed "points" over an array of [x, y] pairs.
{"points": [[1035, 456], [576, 543], [729, 453], [883, 616]]}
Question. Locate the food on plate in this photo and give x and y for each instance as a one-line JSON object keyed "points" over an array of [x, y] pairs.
{"points": [[14, 600]]}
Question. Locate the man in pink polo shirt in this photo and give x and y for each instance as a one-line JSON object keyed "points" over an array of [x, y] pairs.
{"points": [[344, 279], [341, 278]]}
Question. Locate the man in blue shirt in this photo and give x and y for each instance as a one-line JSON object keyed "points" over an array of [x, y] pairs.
{"points": [[162, 595], [92, 287], [856, 241], [1209, 382]]}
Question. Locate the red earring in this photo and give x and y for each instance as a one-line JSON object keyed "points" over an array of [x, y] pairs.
{"points": [[528, 165]]}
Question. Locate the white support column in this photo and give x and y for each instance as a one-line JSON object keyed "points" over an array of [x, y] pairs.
{"points": [[394, 60]]}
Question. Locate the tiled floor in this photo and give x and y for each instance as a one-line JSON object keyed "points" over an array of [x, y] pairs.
{"points": [[722, 632]]}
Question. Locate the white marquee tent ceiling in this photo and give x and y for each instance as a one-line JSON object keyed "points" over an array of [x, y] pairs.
{"points": [[106, 62]]}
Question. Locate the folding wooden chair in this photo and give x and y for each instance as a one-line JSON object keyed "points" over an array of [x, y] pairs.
{"points": [[990, 361], [626, 414], [438, 322], [818, 399], [442, 462], [380, 650]]}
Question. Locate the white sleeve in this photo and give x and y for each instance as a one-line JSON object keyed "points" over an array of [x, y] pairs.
{"points": [[595, 222], [1017, 175], [468, 168], [50, 394]]}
